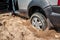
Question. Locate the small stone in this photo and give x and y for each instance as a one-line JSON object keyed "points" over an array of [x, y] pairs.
{"points": [[56, 36]]}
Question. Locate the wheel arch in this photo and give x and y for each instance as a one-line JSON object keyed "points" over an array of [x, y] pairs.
{"points": [[36, 9]]}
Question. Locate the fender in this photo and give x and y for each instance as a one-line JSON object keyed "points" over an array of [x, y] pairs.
{"points": [[43, 4], [40, 3]]}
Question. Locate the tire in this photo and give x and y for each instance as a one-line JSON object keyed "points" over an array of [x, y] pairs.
{"points": [[38, 21]]}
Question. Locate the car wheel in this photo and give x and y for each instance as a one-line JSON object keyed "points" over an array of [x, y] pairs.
{"points": [[38, 21]]}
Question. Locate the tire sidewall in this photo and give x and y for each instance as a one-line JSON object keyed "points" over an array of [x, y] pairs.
{"points": [[41, 17]]}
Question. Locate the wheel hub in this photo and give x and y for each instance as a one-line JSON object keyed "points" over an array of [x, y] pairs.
{"points": [[37, 23]]}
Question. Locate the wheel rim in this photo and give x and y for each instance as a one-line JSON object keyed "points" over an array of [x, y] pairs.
{"points": [[37, 23]]}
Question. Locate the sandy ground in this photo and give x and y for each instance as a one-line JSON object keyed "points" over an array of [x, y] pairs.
{"points": [[17, 28]]}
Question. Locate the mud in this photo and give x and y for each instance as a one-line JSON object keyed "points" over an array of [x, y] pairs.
{"points": [[17, 28]]}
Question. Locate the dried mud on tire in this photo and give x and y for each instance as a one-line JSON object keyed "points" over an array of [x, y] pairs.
{"points": [[16, 28]]}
